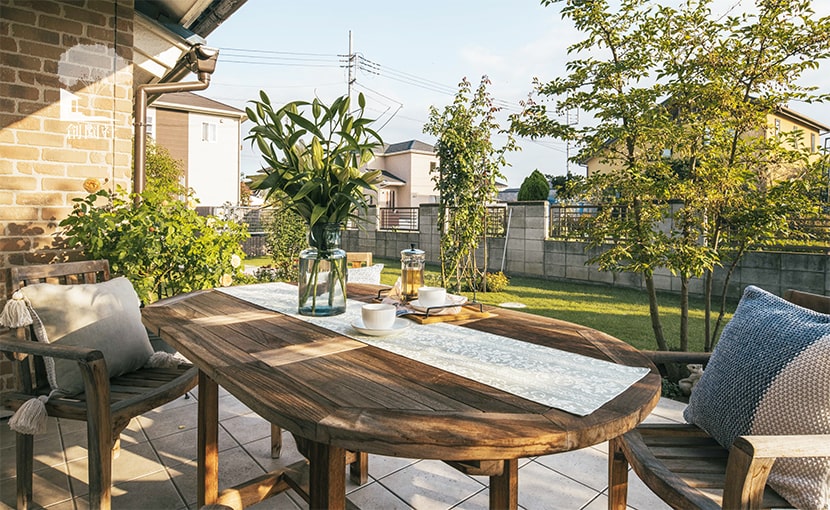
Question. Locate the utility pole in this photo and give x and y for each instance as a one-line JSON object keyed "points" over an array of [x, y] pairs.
{"points": [[571, 119], [352, 70]]}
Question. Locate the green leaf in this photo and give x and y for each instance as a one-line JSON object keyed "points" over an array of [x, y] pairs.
{"points": [[318, 212]]}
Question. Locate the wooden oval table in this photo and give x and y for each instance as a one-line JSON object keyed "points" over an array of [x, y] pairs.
{"points": [[342, 395]]}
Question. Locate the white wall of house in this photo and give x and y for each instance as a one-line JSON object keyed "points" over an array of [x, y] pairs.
{"points": [[213, 165], [413, 168]]}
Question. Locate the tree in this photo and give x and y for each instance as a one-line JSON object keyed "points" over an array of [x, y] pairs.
{"points": [[466, 178], [680, 100], [534, 187], [567, 187], [616, 91]]}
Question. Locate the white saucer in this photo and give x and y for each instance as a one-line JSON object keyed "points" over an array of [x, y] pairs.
{"points": [[451, 300], [397, 327]]}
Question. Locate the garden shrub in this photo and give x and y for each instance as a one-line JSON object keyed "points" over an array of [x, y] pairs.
{"points": [[161, 245], [534, 187], [496, 282], [286, 235]]}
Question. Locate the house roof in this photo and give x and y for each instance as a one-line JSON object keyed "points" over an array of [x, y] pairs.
{"points": [[410, 145], [391, 180], [191, 102], [800, 117], [198, 16]]}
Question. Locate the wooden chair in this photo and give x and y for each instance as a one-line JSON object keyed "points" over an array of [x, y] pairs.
{"points": [[359, 258], [106, 405], [688, 469]]}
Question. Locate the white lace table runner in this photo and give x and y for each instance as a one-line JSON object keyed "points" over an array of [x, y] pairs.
{"points": [[567, 381]]}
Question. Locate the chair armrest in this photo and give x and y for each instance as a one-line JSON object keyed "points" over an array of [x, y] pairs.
{"points": [[752, 457], [72, 352], [795, 446], [677, 357]]}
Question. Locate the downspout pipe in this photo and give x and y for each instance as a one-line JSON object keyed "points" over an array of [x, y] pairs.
{"points": [[200, 60]]}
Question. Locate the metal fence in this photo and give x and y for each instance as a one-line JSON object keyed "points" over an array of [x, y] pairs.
{"points": [[496, 221], [256, 218], [566, 220]]}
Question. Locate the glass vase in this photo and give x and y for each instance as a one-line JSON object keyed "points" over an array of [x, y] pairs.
{"points": [[322, 279]]}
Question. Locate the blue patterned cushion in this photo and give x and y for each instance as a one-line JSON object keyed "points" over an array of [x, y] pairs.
{"points": [[769, 375]]}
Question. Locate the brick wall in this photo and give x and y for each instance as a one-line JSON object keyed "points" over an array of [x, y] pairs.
{"points": [[65, 114], [66, 98]]}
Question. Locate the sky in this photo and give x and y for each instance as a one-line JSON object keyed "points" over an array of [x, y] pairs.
{"points": [[413, 55]]}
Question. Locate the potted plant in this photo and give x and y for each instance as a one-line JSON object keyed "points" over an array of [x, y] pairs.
{"points": [[314, 152]]}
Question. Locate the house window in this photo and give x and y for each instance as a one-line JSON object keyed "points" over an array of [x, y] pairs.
{"points": [[208, 132], [151, 124], [812, 142], [777, 127], [387, 198]]}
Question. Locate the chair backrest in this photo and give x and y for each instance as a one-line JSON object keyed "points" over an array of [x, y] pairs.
{"points": [[64, 273], [815, 302]]}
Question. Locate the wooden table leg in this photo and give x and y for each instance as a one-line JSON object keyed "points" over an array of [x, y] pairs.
{"points": [[207, 471], [504, 488], [327, 480]]}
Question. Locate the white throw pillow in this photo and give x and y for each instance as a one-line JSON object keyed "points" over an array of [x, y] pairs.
{"points": [[103, 316]]}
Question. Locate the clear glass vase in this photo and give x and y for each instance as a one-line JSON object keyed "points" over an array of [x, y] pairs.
{"points": [[322, 279]]}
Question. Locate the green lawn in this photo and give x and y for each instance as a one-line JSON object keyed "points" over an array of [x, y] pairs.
{"points": [[620, 312]]}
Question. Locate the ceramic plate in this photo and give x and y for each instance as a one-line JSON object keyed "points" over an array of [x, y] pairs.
{"points": [[397, 327], [452, 300]]}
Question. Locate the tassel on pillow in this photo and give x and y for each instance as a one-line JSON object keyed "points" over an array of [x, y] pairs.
{"points": [[30, 418], [161, 359], [16, 312]]}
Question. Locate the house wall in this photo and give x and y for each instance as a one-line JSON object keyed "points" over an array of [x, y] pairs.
{"points": [[66, 99], [172, 132], [66, 91], [213, 166], [413, 168]]}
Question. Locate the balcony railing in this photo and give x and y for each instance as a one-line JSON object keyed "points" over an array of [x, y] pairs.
{"points": [[401, 219]]}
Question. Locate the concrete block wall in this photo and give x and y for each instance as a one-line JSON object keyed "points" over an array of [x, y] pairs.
{"points": [[530, 253]]}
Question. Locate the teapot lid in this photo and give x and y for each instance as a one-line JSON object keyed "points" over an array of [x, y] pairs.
{"points": [[411, 251]]}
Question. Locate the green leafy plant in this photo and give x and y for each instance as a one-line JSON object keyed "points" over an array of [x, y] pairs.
{"points": [[161, 245], [285, 238], [314, 162], [534, 187], [314, 170], [466, 178], [495, 282]]}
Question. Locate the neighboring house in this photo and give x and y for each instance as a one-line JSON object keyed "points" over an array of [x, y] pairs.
{"points": [[407, 177], [782, 121], [406, 170], [205, 136]]}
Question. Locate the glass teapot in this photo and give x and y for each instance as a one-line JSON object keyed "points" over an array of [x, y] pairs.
{"points": [[413, 261]]}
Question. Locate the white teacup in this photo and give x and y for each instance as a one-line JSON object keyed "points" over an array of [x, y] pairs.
{"points": [[432, 296], [378, 316]]}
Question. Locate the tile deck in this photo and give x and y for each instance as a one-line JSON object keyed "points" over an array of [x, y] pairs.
{"points": [[157, 468]]}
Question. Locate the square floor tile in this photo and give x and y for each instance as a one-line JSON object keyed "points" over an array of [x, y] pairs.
{"points": [[542, 488], [431, 484], [587, 466]]}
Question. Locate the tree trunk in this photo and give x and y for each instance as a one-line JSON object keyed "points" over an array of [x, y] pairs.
{"points": [[655, 313], [684, 312], [707, 311]]}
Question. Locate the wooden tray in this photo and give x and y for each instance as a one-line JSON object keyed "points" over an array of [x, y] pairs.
{"points": [[467, 312]]}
